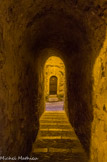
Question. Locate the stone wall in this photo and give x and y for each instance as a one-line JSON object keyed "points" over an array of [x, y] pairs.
{"points": [[18, 119], [99, 125], [17, 104]]}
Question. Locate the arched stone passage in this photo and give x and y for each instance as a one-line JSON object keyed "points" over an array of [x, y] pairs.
{"points": [[54, 74], [54, 58], [26, 29]]}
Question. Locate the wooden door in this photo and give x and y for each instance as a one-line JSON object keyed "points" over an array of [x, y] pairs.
{"points": [[53, 85]]}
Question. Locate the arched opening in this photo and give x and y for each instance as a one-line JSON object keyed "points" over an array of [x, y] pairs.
{"points": [[53, 85]]}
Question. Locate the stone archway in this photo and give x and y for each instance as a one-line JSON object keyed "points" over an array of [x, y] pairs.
{"points": [[54, 77]]}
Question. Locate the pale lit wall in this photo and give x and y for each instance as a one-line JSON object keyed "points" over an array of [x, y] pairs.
{"points": [[99, 125]]}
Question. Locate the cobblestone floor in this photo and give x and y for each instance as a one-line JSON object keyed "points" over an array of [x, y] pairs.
{"points": [[56, 140]]}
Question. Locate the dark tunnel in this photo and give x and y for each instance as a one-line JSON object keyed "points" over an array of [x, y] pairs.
{"points": [[76, 32]]}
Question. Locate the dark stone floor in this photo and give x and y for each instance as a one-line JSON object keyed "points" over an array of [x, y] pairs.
{"points": [[57, 141]]}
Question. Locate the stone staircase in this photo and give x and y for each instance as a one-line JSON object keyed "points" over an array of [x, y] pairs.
{"points": [[53, 98], [56, 140]]}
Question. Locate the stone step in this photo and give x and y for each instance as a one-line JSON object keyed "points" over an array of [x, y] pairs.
{"points": [[55, 112], [58, 143], [57, 133], [58, 150], [57, 137], [51, 150], [58, 130], [55, 115], [56, 123], [52, 99], [52, 119], [55, 127]]}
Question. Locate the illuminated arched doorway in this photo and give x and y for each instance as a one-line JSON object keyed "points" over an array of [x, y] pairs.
{"points": [[53, 85]]}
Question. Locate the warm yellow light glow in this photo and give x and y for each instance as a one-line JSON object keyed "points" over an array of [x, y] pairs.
{"points": [[99, 125], [54, 67]]}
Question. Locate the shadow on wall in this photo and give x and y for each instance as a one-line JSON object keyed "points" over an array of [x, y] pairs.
{"points": [[80, 83]]}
